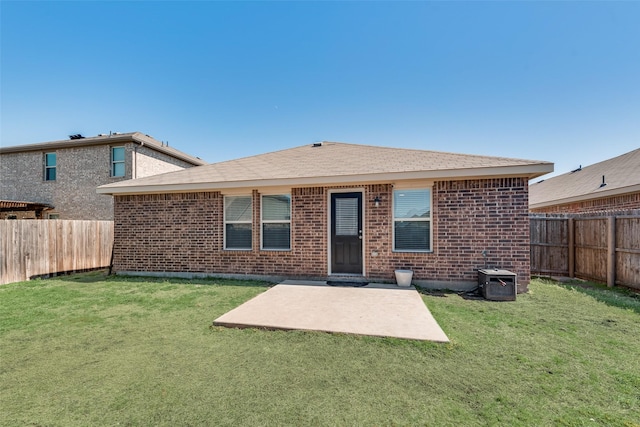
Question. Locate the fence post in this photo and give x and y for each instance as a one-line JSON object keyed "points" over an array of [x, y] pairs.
{"points": [[572, 247], [611, 251]]}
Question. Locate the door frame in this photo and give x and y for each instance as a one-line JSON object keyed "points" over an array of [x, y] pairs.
{"points": [[364, 229]]}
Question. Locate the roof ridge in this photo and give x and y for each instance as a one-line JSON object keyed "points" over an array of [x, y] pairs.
{"points": [[590, 167], [421, 150], [384, 147]]}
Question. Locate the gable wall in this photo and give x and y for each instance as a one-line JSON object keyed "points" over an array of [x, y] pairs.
{"points": [[149, 162], [184, 233]]}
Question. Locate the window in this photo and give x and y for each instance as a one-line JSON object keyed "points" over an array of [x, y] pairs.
{"points": [[276, 222], [117, 161], [54, 216], [50, 166], [238, 216], [12, 216], [412, 220]]}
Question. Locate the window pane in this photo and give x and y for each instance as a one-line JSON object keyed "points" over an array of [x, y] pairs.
{"points": [[118, 169], [117, 154], [346, 217], [412, 235], [276, 208], [238, 236], [238, 208], [50, 174], [411, 204], [276, 236], [50, 159]]}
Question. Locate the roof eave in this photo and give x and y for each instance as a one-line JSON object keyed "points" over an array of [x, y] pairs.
{"points": [[590, 196], [136, 138], [69, 143], [154, 144], [527, 171]]}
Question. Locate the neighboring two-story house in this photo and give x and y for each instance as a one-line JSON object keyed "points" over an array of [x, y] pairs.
{"points": [[58, 179]]}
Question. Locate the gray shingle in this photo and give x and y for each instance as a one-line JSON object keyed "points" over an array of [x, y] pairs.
{"points": [[331, 162], [620, 173]]}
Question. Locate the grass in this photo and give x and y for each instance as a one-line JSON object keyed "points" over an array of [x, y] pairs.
{"points": [[93, 350]]}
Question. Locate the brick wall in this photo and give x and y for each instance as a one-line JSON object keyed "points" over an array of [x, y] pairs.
{"points": [[80, 170], [623, 202], [469, 217], [150, 162], [184, 233]]}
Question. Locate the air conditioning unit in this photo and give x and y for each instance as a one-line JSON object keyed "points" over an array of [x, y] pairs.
{"points": [[497, 285]]}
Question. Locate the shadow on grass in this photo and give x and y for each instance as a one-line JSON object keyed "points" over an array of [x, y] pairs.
{"points": [[616, 297], [434, 292], [103, 276], [468, 295]]}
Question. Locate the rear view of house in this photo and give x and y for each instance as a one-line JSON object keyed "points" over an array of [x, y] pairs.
{"points": [[330, 209], [58, 179]]}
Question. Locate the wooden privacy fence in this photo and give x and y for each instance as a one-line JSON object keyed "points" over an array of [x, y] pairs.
{"points": [[604, 249], [31, 248]]}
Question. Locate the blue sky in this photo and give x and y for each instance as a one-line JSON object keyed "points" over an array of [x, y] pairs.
{"points": [[556, 81]]}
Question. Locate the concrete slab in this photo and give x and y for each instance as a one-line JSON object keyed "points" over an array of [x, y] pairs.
{"points": [[376, 309]]}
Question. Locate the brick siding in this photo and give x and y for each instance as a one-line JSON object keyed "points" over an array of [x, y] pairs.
{"points": [[80, 170], [151, 162], [623, 202], [183, 232]]}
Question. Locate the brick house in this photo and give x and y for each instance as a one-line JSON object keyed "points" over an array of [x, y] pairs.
{"points": [[612, 185], [330, 209], [58, 179]]}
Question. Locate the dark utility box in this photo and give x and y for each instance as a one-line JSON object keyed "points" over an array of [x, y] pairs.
{"points": [[497, 285]]}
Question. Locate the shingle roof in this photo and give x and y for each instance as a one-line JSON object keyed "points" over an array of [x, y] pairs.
{"points": [[136, 137], [621, 175], [330, 163]]}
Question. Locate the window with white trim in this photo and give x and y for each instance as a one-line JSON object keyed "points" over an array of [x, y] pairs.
{"points": [[412, 220], [276, 222], [117, 161], [50, 162], [238, 217]]}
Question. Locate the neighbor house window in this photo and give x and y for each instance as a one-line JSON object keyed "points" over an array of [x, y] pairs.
{"points": [[117, 161], [412, 220], [54, 216], [238, 216], [50, 166], [276, 222]]}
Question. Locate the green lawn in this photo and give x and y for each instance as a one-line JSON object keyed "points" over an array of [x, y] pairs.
{"points": [[88, 350]]}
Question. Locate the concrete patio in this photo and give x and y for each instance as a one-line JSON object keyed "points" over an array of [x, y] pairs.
{"points": [[376, 309]]}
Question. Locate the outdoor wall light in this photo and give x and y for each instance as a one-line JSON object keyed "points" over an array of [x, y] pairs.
{"points": [[377, 201]]}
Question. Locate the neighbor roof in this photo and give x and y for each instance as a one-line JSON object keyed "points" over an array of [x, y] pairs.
{"points": [[329, 163], [114, 138], [621, 175]]}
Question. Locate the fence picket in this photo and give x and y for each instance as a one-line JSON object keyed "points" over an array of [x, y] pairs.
{"points": [[44, 247], [594, 248]]}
